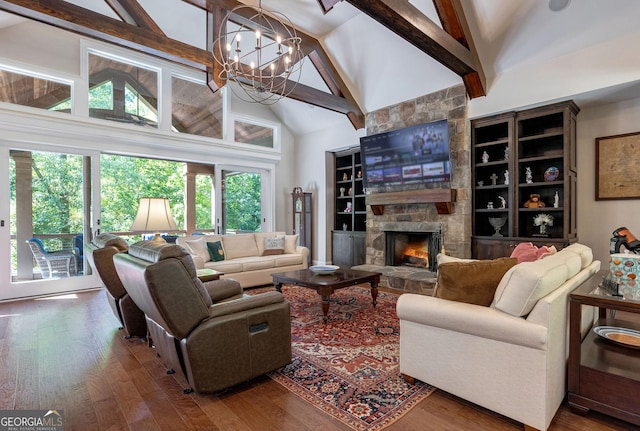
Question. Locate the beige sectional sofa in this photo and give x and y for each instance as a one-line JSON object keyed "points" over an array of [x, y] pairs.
{"points": [[510, 356], [249, 258]]}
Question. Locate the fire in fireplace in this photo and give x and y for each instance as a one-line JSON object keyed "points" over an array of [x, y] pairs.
{"points": [[416, 254]]}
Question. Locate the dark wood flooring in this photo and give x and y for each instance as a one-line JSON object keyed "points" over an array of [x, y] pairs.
{"points": [[67, 353]]}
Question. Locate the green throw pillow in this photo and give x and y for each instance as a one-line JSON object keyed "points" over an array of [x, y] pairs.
{"points": [[216, 252]]}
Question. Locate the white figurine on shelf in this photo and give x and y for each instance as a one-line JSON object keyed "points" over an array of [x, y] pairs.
{"points": [[506, 177], [528, 176], [341, 192], [489, 205], [506, 153], [503, 202], [349, 208], [485, 157], [556, 200]]}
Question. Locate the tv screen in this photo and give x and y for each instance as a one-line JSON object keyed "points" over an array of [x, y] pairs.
{"points": [[413, 155]]}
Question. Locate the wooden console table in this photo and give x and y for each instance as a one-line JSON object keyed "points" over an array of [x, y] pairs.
{"points": [[603, 375]]}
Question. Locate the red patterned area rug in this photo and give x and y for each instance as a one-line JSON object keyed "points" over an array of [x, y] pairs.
{"points": [[348, 367]]}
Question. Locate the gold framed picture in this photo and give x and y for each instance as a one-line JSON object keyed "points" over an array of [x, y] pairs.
{"points": [[618, 167]]}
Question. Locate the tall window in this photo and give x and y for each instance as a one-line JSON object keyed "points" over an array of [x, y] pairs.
{"points": [[241, 204], [46, 203]]}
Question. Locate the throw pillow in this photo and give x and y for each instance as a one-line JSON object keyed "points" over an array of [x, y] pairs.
{"points": [[273, 246], [472, 282], [198, 247], [290, 243], [216, 252], [525, 252]]}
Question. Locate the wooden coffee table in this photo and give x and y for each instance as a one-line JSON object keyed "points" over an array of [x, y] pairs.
{"points": [[325, 285]]}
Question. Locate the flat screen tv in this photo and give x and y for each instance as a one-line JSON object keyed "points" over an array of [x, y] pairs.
{"points": [[399, 159]]}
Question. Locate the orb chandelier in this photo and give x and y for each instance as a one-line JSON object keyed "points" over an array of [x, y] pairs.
{"points": [[259, 51]]}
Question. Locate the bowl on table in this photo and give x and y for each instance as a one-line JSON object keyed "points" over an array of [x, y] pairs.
{"points": [[324, 269]]}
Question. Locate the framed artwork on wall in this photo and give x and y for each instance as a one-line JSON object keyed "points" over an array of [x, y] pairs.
{"points": [[618, 167]]}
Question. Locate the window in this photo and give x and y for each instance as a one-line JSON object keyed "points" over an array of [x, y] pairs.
{"points": [[195, 109], [46, 192], [27, 90], [122, 92], [253, 134], [241, 202]]}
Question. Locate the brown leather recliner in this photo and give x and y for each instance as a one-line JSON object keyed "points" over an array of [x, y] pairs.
{"points": [[99, 254], [211, 332]]}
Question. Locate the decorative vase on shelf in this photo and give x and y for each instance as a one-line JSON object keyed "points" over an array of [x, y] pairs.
{"points": [[543, 229], [497, 223], [543, 220]]}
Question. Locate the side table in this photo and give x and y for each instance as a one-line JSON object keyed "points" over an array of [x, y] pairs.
{"points": [[603, 375], [206, 274]]}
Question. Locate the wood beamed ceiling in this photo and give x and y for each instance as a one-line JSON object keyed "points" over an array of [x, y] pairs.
{"points": [[453, 46]]}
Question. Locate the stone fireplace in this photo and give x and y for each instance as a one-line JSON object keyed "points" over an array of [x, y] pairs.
{"points": [[450, 231]]}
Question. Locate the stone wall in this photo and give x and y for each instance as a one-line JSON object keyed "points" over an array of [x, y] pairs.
{"points": [[451, 104]]}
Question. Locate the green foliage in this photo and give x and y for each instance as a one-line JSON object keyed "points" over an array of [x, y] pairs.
{"points": [[124, 180], [242, 201], [204, 202], [57, 201], [101, 96], [57, 193]]}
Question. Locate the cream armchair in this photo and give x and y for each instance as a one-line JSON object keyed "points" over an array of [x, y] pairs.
{"points": [[510, 357]]}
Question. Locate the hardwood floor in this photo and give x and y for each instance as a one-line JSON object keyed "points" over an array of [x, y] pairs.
{"points": [[67, 353]]}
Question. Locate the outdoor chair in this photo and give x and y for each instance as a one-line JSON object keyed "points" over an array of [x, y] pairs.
{"points": [[50, 262]]}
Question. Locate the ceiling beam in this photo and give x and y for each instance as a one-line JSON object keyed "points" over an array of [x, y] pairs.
{"points": [[327, 5], [454, 22], [214, 22], [408, 22], [88, 23], [131, 12], [332, 79]]}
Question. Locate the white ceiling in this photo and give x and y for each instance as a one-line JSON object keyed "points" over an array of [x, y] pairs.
{"points": [[382, 69]]}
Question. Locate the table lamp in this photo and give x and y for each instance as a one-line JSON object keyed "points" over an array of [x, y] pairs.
{"points": [[154, 215]]}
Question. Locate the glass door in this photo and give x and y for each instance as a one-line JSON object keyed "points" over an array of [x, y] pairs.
{"points": [[242, 204], [47, 217]]}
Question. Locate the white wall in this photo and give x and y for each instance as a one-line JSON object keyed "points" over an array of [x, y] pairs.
{"points": [[598, 219], [311, 176]]}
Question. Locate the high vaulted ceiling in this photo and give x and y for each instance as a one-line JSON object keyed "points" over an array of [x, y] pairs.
{"points": [[370, 53]]}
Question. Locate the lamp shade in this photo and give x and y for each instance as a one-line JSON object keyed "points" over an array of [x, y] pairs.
{"points": [[154, 215]]}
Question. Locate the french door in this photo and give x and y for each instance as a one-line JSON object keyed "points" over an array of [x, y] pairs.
{"points": [[51, 197], [244, 204]]}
